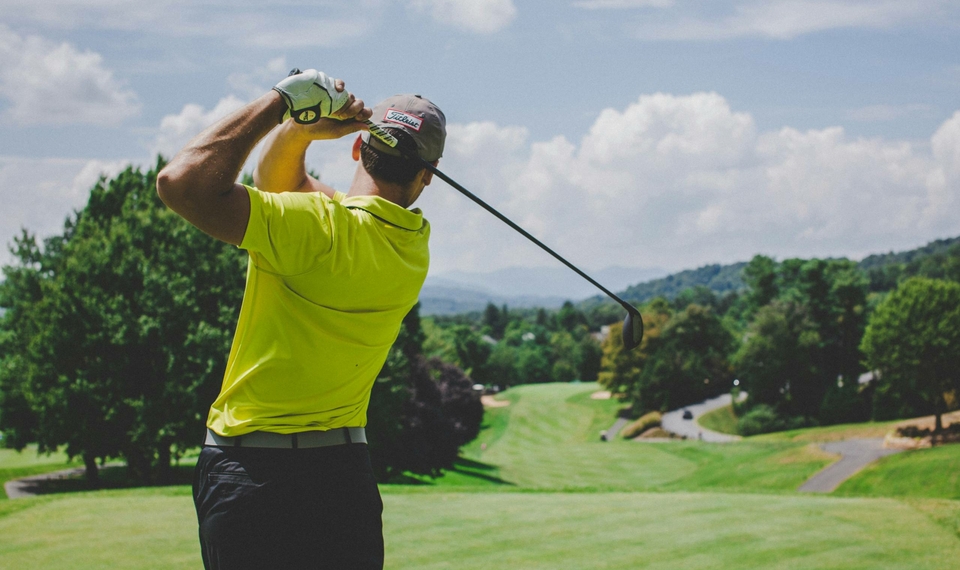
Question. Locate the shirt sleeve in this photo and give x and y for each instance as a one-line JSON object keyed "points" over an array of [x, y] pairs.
{"points": [[288, 233]]}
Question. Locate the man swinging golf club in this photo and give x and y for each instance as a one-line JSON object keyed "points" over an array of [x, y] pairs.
{"points": [[284, 478]]}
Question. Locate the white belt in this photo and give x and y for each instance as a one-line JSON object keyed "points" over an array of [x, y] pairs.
{"points": [[302, 440]]}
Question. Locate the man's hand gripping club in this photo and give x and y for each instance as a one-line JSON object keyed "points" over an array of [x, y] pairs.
{"points": [[311, 95]]}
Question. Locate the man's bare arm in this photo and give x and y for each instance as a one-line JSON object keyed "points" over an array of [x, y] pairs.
{"points": [[200, 182], [282, 166]]}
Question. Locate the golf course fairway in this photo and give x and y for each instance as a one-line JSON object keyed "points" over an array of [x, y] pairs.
{"points": [[538, 489]]}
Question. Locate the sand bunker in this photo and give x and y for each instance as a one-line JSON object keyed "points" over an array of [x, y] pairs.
{"points": [[491, 402], [601, 395]]}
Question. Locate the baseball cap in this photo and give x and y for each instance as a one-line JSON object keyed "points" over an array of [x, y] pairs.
{"points": [[414, 115]]}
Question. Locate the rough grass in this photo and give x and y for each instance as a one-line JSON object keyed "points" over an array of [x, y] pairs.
{"points": [[722, 420]]}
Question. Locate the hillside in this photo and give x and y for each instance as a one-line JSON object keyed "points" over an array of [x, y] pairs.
{"points": [[882, 269]]}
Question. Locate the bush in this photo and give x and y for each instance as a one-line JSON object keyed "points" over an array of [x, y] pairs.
{"points": [[641, 425], [765, 419]]}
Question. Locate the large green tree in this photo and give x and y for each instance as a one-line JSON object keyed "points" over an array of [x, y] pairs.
{"points": [[690, 363], [913, 341], [117, 331]]}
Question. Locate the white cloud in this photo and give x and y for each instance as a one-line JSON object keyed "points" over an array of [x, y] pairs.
{"points": [[677, 181], [177, 130], [478, 16], [255, 83], [236, 21], [620, 4], [56, 84], [40, 193], [777, 19]]}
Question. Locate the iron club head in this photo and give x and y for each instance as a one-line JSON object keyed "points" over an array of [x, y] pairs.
{"points": [[632, 328]]}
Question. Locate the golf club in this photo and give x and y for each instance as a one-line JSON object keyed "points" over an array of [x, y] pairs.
{"points": [[632, 324]]}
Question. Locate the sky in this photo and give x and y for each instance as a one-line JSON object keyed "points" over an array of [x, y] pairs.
{"points": [[634, 133]]}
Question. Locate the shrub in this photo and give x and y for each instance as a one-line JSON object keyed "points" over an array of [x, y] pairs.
{"points": [[765, 419], [641, 425]]}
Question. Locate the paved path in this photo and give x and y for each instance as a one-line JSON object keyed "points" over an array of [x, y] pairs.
{"points": [[673, 422], [614, 430], [855, 455], [29, 486]]}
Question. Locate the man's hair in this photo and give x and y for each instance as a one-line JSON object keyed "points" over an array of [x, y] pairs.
{"points": [[387, 167]]}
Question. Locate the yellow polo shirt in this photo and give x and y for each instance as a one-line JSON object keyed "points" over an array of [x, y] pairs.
{"points": [[328, 283]]}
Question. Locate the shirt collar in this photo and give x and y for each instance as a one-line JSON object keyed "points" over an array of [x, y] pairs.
{"points": [[386, 211]]}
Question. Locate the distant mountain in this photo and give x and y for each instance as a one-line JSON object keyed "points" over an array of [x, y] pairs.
{"points": [[558, 282], [718, 278], [518, 287], [452, 300], [932, 248]]}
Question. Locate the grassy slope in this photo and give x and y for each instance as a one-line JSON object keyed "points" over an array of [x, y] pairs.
{"points": [[548, 438], [932, 473], [722, 420]]}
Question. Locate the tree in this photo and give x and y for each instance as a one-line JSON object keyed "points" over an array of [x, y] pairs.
{"points": [[421, 410], [620, 369], [778, 358], [690, 362], [125, 341], [913, 341]]}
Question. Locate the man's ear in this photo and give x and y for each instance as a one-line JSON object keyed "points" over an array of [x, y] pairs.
{"points": [[356, 148], [428, 175]]}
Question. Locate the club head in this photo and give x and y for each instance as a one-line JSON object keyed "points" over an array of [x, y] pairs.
{"points": [[632, 329]]}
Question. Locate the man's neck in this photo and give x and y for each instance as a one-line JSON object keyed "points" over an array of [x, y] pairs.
{"points": [[364, 185]]}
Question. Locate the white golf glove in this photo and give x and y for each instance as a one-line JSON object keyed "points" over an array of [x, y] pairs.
{"points": [[310, 95]]}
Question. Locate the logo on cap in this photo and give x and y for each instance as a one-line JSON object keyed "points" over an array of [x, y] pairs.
{"points": [[401, 118]]}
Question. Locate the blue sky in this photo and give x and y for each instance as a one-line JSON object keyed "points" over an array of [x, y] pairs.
{"points": [[641, 133]]}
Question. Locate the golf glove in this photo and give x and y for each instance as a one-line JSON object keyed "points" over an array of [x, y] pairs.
{"points": [[310, 95]]}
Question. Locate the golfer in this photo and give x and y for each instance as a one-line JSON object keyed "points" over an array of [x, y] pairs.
{"points": [[284, 479]]}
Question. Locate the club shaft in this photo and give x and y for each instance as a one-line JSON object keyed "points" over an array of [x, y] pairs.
{"points": [[523, 232]]}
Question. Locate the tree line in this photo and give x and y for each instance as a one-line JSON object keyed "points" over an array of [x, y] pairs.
{"points": [[114, 337], [799, 338]]}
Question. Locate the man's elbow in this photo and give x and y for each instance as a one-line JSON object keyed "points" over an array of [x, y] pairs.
{"points": [[170, 187]]}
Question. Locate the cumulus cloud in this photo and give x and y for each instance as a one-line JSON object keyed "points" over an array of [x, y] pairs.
{"points": [[177, 130], [478, 16], [678, 181], [55, 83], [40, 193]]}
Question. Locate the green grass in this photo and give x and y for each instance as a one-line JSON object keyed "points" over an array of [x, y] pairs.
{"points": [[722, 420], [831, 433], [537, 489], [548, 439], [431, 529], [933, 473]]}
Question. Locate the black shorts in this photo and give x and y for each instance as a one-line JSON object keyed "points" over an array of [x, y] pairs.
{"points": [[288, 508]]}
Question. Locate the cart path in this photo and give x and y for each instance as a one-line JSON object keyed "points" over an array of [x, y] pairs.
{"points": [[614, 430], [855, 454], [673, 422], [29, 486]]}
